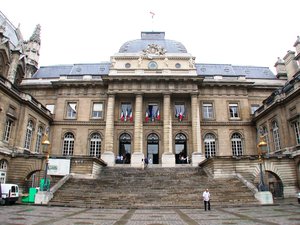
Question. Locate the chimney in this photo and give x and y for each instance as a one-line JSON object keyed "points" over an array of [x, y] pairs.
{"points": [[291, 64], [280, 69]]}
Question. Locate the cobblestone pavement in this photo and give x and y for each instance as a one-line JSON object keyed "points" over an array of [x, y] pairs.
{"points": [[30, 214]]}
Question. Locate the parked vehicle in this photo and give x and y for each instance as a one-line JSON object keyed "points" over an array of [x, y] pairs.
{"points": [[299, 197], [9, 193]]}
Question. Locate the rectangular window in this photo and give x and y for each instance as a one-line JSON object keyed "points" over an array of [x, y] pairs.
{"points": [[297, 131], [207, 110], [51, 108], [126, 112], [7, 131], [71, 110], [233, 111], [180, 111], [254, 108], [97, 112], [152, 112]]}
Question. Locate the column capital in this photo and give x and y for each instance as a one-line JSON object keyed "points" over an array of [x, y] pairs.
{"points": [[194, 94]]}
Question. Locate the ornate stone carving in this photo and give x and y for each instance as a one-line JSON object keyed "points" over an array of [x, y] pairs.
{"points": [[154, 50]]}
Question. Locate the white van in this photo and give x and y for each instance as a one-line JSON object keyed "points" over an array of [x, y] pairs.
{"points": [[9, 193]]}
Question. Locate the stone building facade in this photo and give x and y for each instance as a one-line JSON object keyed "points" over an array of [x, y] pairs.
{"points": [[151, 101]]}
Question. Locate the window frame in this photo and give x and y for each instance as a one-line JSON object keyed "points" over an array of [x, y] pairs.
{"points": [[95, 145], [52, 110], [70, 114], [39, 137], [125, 109], [233, 105], [99, 112], [177, 112], [8, 129], [68, 144], [206, 112], [237, 145], [29, 134], [296, 128], [210, 145]]}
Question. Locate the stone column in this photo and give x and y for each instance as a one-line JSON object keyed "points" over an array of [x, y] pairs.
{"points": [[138, 156], [197, 155], [168, 157], [108, 154]]}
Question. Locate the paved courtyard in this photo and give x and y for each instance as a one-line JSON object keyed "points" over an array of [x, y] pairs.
{"points": [[29, 214]]}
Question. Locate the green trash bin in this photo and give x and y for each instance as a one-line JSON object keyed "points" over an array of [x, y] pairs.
{"points": [[30, 197], [32, 193], [44, 186]]}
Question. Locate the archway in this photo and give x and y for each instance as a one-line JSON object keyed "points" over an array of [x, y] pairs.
{"points": [[273, 183], [125, 148], [153, 149], [180, 149]]}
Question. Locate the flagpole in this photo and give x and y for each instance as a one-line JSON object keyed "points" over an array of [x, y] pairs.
{"points": [[152, 19]]}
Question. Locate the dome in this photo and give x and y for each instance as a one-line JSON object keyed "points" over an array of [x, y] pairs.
{"points": [[148, 38]]}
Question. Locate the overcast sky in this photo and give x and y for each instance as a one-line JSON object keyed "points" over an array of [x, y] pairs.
{"points": [[238, 32]]}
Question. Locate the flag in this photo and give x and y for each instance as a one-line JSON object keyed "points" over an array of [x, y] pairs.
{"points": [[180, 115], [122, 115], [130, 116], [147, 117], [126, 115], [157, 115], [176, 113], [152, 14]]}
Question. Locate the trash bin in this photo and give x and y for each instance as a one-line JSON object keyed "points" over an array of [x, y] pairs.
{"points": [[30, 197], [44, 186]]}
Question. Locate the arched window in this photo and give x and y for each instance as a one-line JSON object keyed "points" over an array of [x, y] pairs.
{"points": [[210, 145], [276, 138], [68, 146], [28, 136], [38, 140], [95, 145], [237, 145]]}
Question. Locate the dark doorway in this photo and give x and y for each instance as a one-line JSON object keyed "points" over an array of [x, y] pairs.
{"points": [[124, 149], [180, 149], [153, 149]]}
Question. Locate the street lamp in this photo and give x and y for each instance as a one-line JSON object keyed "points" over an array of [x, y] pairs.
{"points": [[45, 144], [261, 146]]}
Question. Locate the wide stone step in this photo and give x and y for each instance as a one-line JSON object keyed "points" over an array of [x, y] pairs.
{"points": [[150, 188]]}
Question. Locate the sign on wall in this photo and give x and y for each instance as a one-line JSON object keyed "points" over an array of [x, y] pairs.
{"points": [[59, 167]]}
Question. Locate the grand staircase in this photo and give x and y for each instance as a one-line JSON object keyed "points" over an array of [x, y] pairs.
{"points": [[180, 187]]}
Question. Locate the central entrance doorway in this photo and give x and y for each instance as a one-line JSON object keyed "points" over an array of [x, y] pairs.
{"points": [[180, 149], [153, 149], [125, 148]]}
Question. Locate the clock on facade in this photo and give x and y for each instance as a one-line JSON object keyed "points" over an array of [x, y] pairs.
{"points": [[152, 65]]}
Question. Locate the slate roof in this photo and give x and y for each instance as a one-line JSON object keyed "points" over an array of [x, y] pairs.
{"points": [[72, 70], [147, 38], [249, 72], [10, 31]]}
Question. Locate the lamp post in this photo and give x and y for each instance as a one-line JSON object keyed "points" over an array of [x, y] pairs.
{"points": [[261, 146], [45, 144]]}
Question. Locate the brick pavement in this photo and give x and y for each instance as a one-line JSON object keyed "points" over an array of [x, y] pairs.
{"points": [[285, 214]]}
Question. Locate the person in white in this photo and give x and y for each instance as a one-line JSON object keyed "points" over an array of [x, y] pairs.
{"points": [[206, 199]]}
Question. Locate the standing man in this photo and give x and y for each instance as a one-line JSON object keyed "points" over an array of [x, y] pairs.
{"points": [[206, 199]]}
